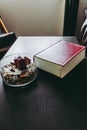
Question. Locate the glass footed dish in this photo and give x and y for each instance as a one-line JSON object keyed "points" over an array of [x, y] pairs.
{"points": [[18, 70]]}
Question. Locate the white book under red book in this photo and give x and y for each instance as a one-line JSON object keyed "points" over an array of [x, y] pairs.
{"points": [[60, 58]]}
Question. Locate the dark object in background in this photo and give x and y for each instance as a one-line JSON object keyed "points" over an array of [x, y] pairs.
{"points": [[6, 38], [84, 29]]}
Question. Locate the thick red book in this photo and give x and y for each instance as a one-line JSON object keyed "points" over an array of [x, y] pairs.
{"points": [[60, 58]]}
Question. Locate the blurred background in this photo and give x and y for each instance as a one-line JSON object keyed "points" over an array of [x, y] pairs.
{"points": [[40, 17]]}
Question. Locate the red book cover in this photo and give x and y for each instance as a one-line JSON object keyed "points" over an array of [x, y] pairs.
{"points": [[61, 53]]}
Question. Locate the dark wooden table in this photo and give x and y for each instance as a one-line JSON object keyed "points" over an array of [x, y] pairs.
{"points": [[49, 103]]}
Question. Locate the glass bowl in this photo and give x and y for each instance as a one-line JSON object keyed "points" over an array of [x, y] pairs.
{"points": [[18, 69]]}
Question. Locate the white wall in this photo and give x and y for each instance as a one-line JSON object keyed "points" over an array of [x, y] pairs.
{"points": [[80, 18], [33, 17]]}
